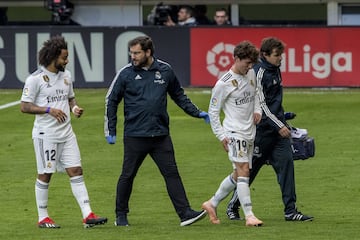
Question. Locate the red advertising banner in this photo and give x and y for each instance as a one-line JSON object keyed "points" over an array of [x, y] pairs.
{"points": [[313, 57]]}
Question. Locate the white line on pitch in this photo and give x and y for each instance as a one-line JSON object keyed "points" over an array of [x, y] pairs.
{"points": [[9, 104]]}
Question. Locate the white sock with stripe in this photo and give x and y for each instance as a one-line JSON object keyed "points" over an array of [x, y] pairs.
{"points": [[81, 194], [41, 197], [243, 192], [226, 186]]}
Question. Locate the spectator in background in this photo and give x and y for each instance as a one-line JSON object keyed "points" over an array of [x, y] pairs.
{"points": [[186, 17], [200, 15], [221, 17]]}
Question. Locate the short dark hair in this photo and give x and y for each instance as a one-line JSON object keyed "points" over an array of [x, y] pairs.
{"points": [[246, 49], [222, 9], [189, 9], [51, 50], [270, 43], [145, 42]]}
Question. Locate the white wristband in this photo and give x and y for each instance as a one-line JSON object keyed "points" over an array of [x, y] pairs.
{"points": [[74, 107]]}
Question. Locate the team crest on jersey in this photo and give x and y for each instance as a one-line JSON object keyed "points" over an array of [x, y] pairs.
{"points": [[157, 75], [46, 78], [49, 165], [66, 82], [234, 83], [158, 78]]}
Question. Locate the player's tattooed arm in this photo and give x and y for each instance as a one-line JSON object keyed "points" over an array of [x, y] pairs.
{"points": [[28, 107], [72, 102]]}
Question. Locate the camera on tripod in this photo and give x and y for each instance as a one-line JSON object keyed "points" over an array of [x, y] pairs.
{"points": [[162, 13], [61, 10]]}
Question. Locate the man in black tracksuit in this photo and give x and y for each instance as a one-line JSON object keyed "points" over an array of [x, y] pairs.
{"points": [[144, 84], [272, 141]]}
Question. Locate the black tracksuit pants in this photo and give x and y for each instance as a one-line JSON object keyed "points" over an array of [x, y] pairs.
{"points": [[276, 151], [162, 152]]}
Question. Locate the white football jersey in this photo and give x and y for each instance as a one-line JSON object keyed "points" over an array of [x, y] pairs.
{"points": [[236, 95], [47, 89]]}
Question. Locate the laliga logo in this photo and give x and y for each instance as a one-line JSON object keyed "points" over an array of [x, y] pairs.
{"points": [[319, 64], [219, 58]]}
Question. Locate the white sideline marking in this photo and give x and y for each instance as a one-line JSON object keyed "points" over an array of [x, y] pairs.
{"points": [[9, 104]]}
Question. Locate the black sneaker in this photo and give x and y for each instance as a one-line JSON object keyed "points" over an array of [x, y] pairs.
{"points": [[121, 220], [192, 216], [298, 216], [233, 214]]}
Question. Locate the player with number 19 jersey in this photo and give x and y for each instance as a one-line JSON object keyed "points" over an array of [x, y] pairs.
{"points": [[48, 89], [242, 103]]}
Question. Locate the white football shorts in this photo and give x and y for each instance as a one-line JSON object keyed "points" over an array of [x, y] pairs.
{"points": [[240, 150], [54, 157]]}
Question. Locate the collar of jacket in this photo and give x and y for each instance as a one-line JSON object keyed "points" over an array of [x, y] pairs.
{"points": [[268, 66], [154, 65]]}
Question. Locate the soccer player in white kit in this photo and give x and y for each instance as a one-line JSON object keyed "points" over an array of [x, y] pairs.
{"points": [[235, 93], [48, 93]]}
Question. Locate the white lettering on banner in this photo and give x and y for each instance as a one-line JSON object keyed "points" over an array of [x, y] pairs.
{"points": [[22, 56], [92, 64], [22, 53], [2, 64], [93, 72], [319, 64]]}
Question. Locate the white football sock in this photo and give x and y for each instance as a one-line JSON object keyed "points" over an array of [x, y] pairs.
{"points": [[243, 192], [41, 197], [80, 193], [226, 186]]}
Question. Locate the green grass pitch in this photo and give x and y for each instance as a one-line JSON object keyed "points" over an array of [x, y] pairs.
{"points": [[327, 185]]}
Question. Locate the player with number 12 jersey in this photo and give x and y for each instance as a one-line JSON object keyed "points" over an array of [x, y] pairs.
{"points": [[45, 88]]}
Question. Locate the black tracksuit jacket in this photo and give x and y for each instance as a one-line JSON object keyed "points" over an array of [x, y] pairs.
{"points": [[145, 100], [271, 96]]}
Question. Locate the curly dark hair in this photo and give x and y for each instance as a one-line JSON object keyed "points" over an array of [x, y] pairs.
{"points": [[246, 49], [51, 50]]}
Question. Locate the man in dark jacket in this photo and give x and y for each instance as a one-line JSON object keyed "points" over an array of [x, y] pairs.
{"points": [[272, 140], [144, 84]]}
